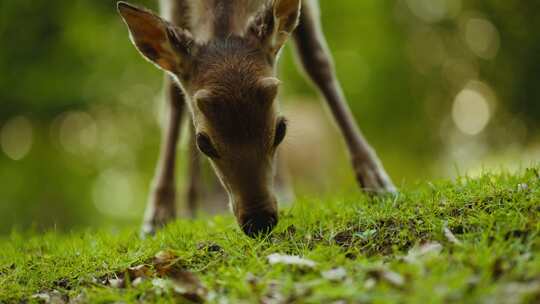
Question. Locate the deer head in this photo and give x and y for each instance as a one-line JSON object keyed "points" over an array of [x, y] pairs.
{"points": [[231, 92]]}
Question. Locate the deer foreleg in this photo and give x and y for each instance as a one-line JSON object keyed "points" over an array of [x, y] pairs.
{"points": [[161, 207], [317, 62]]}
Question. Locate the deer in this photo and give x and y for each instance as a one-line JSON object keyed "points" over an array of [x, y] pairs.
{"points": [[219, 58]]}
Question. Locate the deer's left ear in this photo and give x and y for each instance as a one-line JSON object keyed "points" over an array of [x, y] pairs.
{"points": [[167, 46], [274, 25]]}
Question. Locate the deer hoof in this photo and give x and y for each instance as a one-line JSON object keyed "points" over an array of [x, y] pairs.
{"points": [[156, 217], [374, 180]]}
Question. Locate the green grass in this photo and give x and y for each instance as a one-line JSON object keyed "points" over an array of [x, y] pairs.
{"points": [[496, 219]]}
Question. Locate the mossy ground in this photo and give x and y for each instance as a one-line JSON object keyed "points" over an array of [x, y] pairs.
{"points": [[470, 240]]}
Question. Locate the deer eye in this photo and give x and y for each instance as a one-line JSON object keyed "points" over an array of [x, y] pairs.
{"points": [[205, 145], [281, 130]]}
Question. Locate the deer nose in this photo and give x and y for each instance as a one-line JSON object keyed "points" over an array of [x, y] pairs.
{"points": [[258, 223]]}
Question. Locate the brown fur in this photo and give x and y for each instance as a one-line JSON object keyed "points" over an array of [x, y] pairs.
{"points": [[231, 69], [239, 115], [223, 58], [211, 18]]}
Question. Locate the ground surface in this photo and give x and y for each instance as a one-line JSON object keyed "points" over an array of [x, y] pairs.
{"points": [[473, 240]]}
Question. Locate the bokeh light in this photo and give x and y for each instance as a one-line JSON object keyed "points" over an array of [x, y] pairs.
{"points": [[78, 132], [482, 37], [434, 10], [116, 193], [16, 137], [471, 110]]}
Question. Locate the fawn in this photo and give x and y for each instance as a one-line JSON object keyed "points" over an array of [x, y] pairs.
{"points": [[220, 57]]}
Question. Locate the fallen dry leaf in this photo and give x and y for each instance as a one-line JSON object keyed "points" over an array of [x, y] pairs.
{"points": [[252, 280], [370, 283], [166, 263], [301, 291], [161, 286], [176, 279], [423, 250], [335, 275], [50, 297], [517, 292], [140, 271], [117, 283], [276, 258], [393, 278], [79, 299], [165, 257], [451, 237], [189, 286], [387, 275], [186, 286], [137, 282], [273, 294]]}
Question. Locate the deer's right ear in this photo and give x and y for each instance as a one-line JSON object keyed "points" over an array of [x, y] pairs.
{"points": [[162, 43], [273, 26]]}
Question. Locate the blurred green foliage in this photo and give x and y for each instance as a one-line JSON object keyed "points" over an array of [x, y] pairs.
{"points": [[434, 84]]}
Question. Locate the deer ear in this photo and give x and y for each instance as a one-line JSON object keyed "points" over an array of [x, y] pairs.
{"points": [[274, 25], [162, 43]]}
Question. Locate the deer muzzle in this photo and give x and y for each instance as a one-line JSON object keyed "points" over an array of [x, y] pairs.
{"points": [[260, 220]]}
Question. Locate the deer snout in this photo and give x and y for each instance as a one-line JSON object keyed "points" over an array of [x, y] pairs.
{"points": [[258, 222]]}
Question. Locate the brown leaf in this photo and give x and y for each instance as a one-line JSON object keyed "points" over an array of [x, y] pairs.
{"points": [[165, 263], [187, 285], [140, 271], [180, 281], [165, 257]]}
